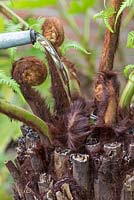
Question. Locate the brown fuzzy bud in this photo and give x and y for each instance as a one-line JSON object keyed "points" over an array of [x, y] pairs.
{"points": [[53, 30], [29, 70]]}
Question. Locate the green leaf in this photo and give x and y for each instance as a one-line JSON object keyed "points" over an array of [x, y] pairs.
{"points": [[79, 6], [128, 69], [69, 44], [36, 23], [130, 39], [12, 53], [37, 45], [106, 22], [105, 15], [11, 128], [28, 4], [99, 15], [12, 26], [6, 80], [125, 4]]}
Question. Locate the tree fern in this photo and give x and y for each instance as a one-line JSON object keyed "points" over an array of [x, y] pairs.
{"points": [[125, 4], [130, 39], [105, 15], [6, 80], [69, 44]]}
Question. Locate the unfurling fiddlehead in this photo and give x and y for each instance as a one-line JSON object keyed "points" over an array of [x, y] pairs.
{"points": [[28, 72], [64, 80], [53, 31]]}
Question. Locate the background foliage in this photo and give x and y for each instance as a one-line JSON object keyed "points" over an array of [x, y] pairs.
{"points": [[77, 16]]}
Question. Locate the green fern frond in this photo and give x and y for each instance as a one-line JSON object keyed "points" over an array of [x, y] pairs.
{"points": [[36, 23], [6, 80], [12, 54], [125, 4], [130, 39], [12, 26], [69, 44], [107, 24], [128, 69], [99, 15], [105, 15], [37, 45]]}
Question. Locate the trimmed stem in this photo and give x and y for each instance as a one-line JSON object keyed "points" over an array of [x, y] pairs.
{"points": [[127, 95], [108, 178], [25, 117], [65, 192], [129, 187], [61, 163], [81, 170], [16, 176], [45, 183], [10, 15], [111, 40]]}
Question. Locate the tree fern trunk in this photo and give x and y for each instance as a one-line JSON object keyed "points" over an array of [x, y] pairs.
{"points": [[57, 174]]}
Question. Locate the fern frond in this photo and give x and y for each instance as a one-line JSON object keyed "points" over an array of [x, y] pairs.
{"points": [[107, 24], [12, 53], [130, 39], [105, 15], [37, 45], [99, 15], [125, 4], [69, 44], [128, 69], [12, 26], [6, 80], [36, 23]]}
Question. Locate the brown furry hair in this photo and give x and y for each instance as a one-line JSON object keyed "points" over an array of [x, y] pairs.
{"points": [[71, 129]]}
